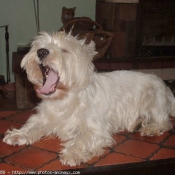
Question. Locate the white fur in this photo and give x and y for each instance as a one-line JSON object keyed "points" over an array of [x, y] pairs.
{"points": [[87, 107]]}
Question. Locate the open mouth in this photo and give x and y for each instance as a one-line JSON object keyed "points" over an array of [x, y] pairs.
{"points": [[50, 80]]}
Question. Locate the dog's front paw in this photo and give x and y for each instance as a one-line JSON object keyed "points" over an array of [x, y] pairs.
{"points": [[16, 137], [72, 158]]}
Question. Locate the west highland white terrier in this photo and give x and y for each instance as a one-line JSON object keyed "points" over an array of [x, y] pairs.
{"points": [[85, 108]]}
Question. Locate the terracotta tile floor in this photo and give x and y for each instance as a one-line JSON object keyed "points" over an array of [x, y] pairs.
{"points": [[129, 148]]}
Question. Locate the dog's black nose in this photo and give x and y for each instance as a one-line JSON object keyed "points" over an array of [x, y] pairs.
{"points": [[42, 53]]}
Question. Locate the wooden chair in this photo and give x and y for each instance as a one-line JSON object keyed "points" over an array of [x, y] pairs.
{"points": [[84, 27]]}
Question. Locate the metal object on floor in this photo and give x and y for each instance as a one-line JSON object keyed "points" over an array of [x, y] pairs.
{"points": [[7, 51], [2, 82]]}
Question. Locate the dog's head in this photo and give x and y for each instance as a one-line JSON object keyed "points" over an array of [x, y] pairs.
{"points": [[59, 63]]}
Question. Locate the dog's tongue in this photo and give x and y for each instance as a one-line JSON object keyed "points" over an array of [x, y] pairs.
{"points": [[50, 83]]}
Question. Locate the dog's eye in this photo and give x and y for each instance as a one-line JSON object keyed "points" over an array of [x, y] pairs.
{"points": [[64, 51]]}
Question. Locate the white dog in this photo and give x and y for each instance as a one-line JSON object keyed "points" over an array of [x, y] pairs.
{"points": [[85, 108]]}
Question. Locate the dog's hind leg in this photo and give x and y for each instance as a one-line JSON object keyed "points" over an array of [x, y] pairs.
{"points": [[155, 112]]}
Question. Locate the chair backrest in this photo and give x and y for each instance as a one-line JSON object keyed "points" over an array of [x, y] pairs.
{"points": [[87, 28]]}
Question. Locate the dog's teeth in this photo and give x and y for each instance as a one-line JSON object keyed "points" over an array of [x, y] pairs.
{"points": [[47, 72]]}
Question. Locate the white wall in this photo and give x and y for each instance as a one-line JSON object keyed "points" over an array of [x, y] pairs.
{"points": [[19, 15]]}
